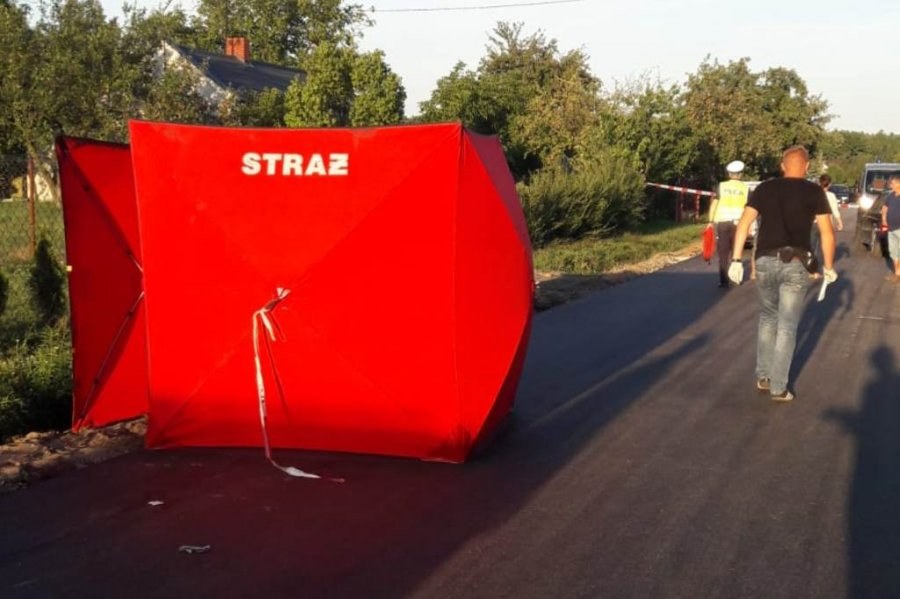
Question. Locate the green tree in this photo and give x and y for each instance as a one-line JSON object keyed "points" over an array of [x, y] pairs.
{"points": [[14, 65], [798, 117], [378, 93], [144, 30], [537, 100], [723, 105], [331, 21], [560, 112], [158, 91], [173, 97], [70, 73], [648, 118], [343, 88], [845, 152], [254, 109], [324, 97], [740, 114], [462, 96], [47, 284], [280, 31]]}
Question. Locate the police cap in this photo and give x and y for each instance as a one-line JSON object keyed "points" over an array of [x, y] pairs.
{"points": [[735, 167]]}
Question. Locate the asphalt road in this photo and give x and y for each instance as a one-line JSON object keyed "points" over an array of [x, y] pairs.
{"points": [[640, 462]]}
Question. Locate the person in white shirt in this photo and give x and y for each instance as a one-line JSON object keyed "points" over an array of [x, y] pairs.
{"points": [[836, 221]]}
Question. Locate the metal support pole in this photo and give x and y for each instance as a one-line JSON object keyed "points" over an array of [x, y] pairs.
{"points": [[32, 197]]}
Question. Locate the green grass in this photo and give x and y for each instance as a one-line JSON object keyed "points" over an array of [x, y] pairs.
{"points": [[15, 230], [594, 256], [19, 322], [35, 361]]}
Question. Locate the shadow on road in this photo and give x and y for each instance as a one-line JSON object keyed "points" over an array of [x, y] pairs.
{"points": [[839, 301], [874, 518]]}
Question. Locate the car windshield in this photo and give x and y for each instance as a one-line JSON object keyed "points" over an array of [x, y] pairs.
{"points": [[839, 189], [877, 180]]}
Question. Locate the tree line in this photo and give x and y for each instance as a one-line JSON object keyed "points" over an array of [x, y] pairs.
{"points": [[581, 149]]}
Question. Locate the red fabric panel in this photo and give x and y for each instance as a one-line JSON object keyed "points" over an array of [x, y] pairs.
{"points": [[490, 154], [494, 285], [369, 360], [108, 336]]}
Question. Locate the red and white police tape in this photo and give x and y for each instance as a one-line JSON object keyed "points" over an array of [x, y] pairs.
{"points": [[683, 189]]}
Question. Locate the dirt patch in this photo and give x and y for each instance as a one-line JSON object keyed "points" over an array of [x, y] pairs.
{"points": [[41, 455], [36, 456]]}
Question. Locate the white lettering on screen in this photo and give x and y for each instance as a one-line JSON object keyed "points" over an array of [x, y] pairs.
{"points": [[294, 165]]}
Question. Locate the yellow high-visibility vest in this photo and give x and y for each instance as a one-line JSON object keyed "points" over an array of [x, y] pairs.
{"points": [[732, 199]]}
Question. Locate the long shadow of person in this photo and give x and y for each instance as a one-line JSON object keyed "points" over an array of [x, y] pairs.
{"points": [[838, 302], [874, 518]]}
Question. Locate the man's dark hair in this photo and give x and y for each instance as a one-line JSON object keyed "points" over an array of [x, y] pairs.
{"points": [[825, 180]]}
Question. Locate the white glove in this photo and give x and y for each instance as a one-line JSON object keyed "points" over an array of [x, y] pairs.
{"points": [[736, 272], [830, 275]]}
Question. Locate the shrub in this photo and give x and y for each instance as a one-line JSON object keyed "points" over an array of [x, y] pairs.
{"points": [[4, 292], [47, 284], [36, 385], [599, 198], [18, 323]]}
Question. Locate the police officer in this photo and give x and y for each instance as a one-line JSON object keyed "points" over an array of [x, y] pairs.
{"points": [[725, 212]]}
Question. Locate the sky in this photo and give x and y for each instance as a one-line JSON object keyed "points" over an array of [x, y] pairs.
{"points": [[846, 51]]}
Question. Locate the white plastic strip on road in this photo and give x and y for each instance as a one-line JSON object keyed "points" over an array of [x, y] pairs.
{"points": [[262, 316]]}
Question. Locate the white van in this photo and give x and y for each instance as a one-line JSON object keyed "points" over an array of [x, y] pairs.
{"points": [[874, 181]]}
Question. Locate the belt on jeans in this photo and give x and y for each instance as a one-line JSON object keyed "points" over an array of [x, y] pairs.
{"points": [[773, 253]]}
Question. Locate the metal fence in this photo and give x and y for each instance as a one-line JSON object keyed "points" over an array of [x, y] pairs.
{"points": [[29, 211]]}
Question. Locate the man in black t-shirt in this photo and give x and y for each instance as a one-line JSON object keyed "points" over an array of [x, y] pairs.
{"points": [[785, 207]]}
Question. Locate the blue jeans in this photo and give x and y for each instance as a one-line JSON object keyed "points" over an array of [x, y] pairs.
{"points": [[782, 289]]}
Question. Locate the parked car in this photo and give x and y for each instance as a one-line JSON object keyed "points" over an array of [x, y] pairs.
{"points": [[868, 237], [874, 180], [842, 192], [873, 185]]}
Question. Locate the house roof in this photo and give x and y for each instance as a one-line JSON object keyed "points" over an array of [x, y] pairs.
{"points": [[228, 71]]}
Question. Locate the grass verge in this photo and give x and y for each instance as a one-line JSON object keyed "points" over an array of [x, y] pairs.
{"points": [[595, 256], [35, 365]]}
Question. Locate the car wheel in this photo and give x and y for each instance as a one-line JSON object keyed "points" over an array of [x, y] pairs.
{"points": [[875, 245], [859, 244]]}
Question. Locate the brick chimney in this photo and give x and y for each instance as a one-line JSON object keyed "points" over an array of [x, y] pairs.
{"points": [[239, 47]]}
